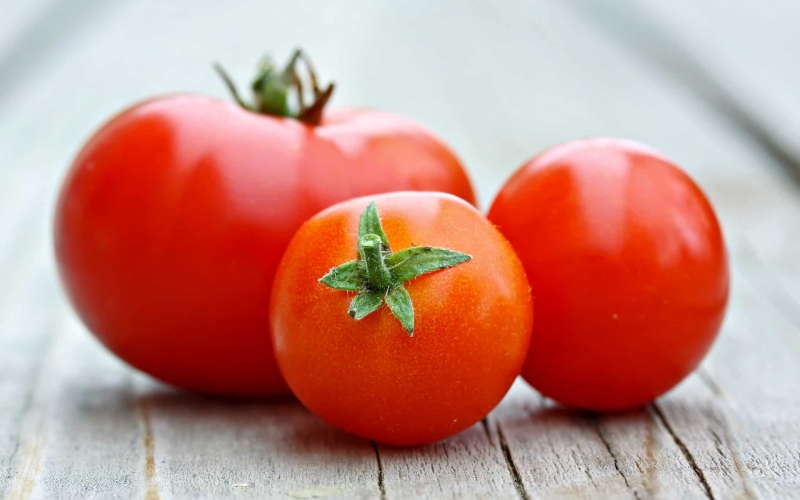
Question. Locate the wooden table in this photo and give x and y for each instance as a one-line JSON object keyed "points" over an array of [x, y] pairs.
{"points": [[714, 85]]}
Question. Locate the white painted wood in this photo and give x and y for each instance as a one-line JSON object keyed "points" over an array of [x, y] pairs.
{"points": [[744, 423], [747, 49], [215, 449], [29, 316], [560, 453], [497, 82], [469, 465], [84, 436], [17, 19], [698, 418]]}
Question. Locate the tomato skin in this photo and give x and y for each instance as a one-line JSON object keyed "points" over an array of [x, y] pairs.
{"points": [[173, 218], [369, 377], [628, 268]]}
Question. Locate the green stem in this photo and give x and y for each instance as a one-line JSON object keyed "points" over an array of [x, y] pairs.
{"points": [[378, 275], [273, 87]]}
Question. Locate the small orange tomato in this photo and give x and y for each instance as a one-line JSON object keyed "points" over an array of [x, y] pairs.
{"points": [[375, 335]]}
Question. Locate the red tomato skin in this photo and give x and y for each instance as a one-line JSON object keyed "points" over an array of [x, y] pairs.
{"points": [[368, 377], [173, 218], [628, 268]]}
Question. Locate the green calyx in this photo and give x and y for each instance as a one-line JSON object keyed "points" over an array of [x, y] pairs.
{"points": [[378, 274], [273, 88]]}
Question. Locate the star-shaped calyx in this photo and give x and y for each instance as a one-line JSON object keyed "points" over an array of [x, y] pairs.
{"points": [[378, 274]]}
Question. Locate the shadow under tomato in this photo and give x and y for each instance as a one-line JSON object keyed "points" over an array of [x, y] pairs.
{"points": [[263, 437]]}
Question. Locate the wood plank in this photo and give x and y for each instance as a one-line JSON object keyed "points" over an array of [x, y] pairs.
{"points": [[28, 320], [576, 82], [560, 453], [85, 436], [697, 418], [16, 20], [772, 248], [752, 376], [217, 449], [740, 55], [468, 465], [36, 34]]}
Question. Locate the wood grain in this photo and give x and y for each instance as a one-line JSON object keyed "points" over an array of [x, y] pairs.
{"points": [[561, 453], [469, 465], [207, 448], [28, 320]]}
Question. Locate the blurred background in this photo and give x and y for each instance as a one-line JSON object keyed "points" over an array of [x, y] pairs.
{"points": [[498, 80], [712, 84]]}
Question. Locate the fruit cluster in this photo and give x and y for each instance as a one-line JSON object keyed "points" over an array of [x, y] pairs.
{"points": [[274, 246]]}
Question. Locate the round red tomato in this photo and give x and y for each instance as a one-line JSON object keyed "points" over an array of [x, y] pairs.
{"points": [[347, 344], [174, 216], [628, 269]]}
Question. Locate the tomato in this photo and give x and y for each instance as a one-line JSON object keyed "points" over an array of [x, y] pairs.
{"points": [[377, 374], [628, 268], [174, 216]]}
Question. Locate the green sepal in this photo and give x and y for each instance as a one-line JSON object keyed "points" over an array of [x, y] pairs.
{"points": [[370, 223], [365, 303], [232, 88], [271, 89], [348, 276], [400, 303], [378, 274], [412, 262]]}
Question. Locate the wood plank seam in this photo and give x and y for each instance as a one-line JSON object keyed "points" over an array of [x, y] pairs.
{"points": [[594, 421], [381, 485], [516, 479], [30, 462], [686, 453], [679, 64], [33, 438], [485, 424], [709, 381], [150, 472], [724, 407]]}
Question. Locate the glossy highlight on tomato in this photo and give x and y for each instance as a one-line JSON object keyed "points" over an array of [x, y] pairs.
{"points": [[174, 216], [628, 268], [471, 325]]}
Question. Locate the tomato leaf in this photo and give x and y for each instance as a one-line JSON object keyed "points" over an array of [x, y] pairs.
{"points": [[370, 223], [411, 262], [348, 276], [400, 303], [364, 304]]}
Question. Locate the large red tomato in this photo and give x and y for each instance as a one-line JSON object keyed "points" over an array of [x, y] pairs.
{"points": [[174, 216], [628, 269], [404, 336]]}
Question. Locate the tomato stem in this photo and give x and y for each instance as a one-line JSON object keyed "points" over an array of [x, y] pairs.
{"points": [[378, 274], [272, 88]]}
